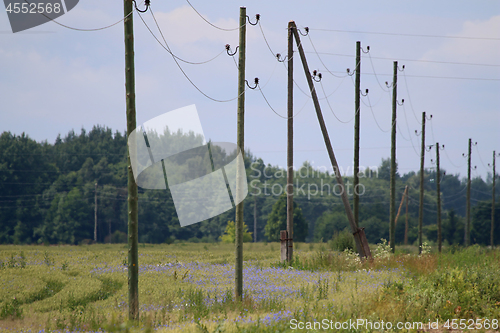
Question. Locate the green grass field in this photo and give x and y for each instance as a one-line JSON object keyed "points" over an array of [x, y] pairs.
{"points": [[188, 287]]}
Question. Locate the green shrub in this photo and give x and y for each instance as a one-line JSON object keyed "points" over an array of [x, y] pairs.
{"points": [[230, 233], [341, 241]]}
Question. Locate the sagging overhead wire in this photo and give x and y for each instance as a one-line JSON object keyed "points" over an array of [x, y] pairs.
{"points": [[177, 62], [374, 104], [409, 132], [210, 23], [232, 54], [167, 48], [92, 29], [432, 130], [331, 109], [449, 159], [407, 35], [375, 73], [409, 98], [276, 55], [321, 60], [412, 60], [269, 105], [371, 109], [481, 159]]}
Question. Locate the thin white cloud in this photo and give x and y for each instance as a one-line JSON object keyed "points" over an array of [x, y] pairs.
{"points": [[471, 50]]}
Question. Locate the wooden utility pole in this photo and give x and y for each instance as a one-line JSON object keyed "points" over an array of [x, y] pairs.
{"points": [[357, 93], [421, 203], [238, 276], [255, 218], [95, 213], [132, 200], [359, 234], [438, 192], [392, 209], [467, 210], [493, 203], [289, 178], [406, 220]]}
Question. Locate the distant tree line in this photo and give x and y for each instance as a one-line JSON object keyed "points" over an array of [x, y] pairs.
{"points": [[47, 194]]}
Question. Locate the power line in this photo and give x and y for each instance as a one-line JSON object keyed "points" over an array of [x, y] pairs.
{"points": [[375, 73], [481, 159], [317, 54], [406, 35], [177, 63], [267, 43], [81, 29], [409, 98], [412, 60], [210, 23], [167, 48], [449, 159], [455, 78], [269, 105], [401, 132], [331, 109], [409, 132], [374, 104], [432, 131], [315, 150], [371, 109], [434, 77]]}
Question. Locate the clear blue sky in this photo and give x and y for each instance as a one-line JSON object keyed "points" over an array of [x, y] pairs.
{"points": [[54, 79]]}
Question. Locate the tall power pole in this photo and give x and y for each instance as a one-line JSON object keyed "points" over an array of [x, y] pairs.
{"points": [[392, 209], [255, 218], [95, 213], [359, 235], [421, 203], [289, 177], [357, 93], [493, 203], [467, 211], [438, 192], [406, 220], [241, 144], [132, 200]]}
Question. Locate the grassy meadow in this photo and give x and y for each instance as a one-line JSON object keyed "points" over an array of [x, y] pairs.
{"points": [[188, 287]]}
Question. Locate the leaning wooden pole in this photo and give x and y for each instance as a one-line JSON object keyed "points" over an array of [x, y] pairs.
{"points": [[132, 200], [401, 205], [289, 159], [238, 276], [359, 235]]}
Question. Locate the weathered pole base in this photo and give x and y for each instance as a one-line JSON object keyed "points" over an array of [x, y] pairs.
{"points": [[360, 234], [284, 245]]}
